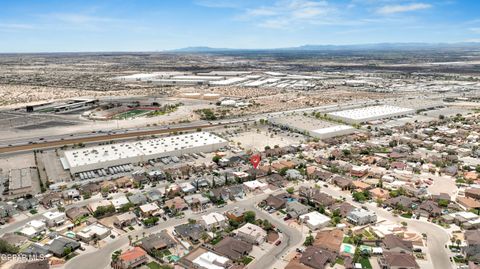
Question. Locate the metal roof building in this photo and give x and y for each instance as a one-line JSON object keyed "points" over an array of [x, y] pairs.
{"points": [[312, 126], [369, 113], [105, 156]]}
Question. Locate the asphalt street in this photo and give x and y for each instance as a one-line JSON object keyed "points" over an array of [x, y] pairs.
{"points": [[101, 257], [437, 237]]}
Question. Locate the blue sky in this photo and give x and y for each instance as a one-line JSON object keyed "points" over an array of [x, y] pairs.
{"points": [[141, 25]]}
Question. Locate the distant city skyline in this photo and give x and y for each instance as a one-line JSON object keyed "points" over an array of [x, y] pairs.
{"points": [[138, 25]]}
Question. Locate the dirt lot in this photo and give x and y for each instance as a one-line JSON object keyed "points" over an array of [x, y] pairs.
{"points": [[257, 140]]}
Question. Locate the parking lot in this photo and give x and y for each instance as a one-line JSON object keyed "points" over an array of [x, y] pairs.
{"points": [[53, 167]]}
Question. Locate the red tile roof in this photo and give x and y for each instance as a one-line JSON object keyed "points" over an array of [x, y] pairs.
{"points": [[133, 254]]}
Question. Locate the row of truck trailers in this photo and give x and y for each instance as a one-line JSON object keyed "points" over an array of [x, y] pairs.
{"points": [[104, 172]]}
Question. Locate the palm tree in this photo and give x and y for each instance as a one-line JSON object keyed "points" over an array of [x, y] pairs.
{"points": [[204, 237]]}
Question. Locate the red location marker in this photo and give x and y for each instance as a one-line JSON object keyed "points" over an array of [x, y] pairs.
{"points": [[255, 160]]}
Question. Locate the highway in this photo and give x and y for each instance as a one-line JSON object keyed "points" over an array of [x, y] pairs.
{"points": [[10, 146], [14, 145]]}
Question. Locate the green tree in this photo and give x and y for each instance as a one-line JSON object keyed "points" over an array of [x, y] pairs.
{"points": [[66, 251], [150, 221], [290, 190], [359, 196], [216, 159], [267, 226], [115, 255], [309, 240], [125, 208], [443, 202], [5, 247], [249, 216], [234, 223], [283, 171], [103, 210]]}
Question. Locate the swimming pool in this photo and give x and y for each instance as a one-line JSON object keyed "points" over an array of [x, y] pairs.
{"points": [[70, 234], [347, 248]]}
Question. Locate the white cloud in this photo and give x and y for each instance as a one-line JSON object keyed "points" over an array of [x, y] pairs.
{"points": [[261, 12], [16, 26], [477, 40], [83, 21], [289, 13], [298, 14], [218, 3], [74, 18], [475, 30], [392, 9]]}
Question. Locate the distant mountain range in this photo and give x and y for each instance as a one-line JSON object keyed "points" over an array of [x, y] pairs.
{"points": [[373, 46]]}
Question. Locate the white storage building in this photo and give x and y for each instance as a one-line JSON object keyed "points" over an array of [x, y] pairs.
{"points": [[370, 113], [312, 126], [103, 157]]}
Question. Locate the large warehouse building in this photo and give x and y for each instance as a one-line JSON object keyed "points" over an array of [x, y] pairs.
{"points": [[312, 126], [106, 156], [370, 113]]}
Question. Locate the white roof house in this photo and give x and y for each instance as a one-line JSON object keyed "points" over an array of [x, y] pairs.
{"points": [[187, 187], [361, 216], [92, 158], [36, 224], [54, 218], [314, 220], [251, 233], [190, 199], [369, 113], [29, 231], [255, 184], [33, 228], [213, 220], [93, 231], [210, 260], [149, 209], [120, 201], [465, 214]]}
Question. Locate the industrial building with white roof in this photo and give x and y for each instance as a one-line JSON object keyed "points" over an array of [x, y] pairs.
{"points": [[370, 113], [103, 157], [312, 126]]}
